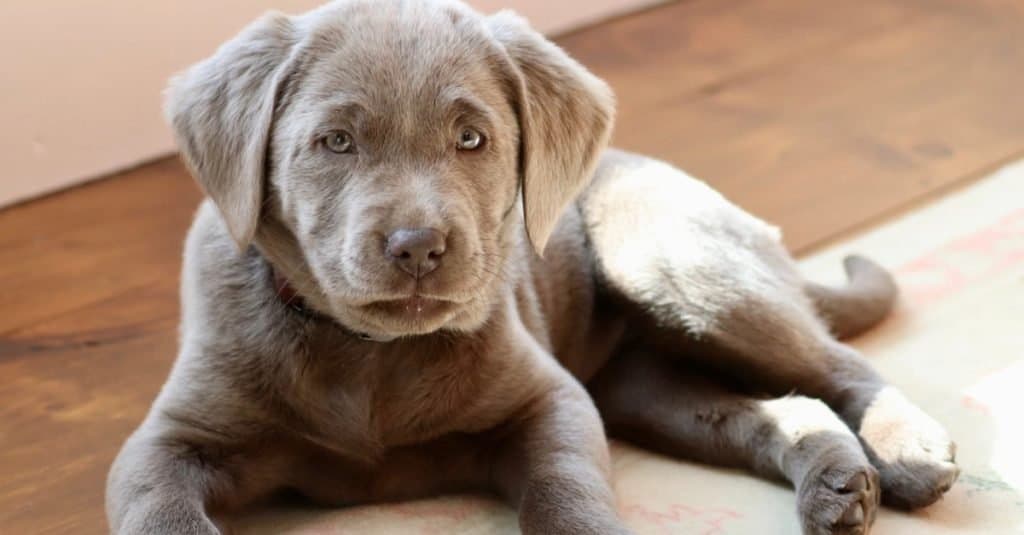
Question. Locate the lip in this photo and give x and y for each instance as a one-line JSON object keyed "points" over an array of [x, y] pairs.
{"points": [[413, 307]]}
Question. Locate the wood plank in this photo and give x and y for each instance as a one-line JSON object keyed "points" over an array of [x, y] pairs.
{"points": [[65, 412], [663, 57], [67, 250], [883, 103], [89, 333]]}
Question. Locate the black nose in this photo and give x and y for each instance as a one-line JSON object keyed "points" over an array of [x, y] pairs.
{"points": [[417, 251]]}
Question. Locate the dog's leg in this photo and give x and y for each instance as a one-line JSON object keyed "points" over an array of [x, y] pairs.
{"points": [[157, 488], [555, 466], [699, 268], [649, 401], [774, 343]]}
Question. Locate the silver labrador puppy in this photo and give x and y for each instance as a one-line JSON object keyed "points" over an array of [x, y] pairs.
{"points": [[367, 314]]}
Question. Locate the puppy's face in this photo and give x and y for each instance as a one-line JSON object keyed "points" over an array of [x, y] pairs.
{"points": [[383, 154], [395, 168]]}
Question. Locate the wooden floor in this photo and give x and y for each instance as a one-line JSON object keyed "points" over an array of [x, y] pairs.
{"points": [[820, 116]]}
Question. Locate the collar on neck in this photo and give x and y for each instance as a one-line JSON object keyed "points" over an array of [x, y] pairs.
{"points": [[290, 297]]}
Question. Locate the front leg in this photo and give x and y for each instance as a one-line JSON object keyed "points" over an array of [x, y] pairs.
{"points": [[157, 487], [555, 466], [174, 472]]}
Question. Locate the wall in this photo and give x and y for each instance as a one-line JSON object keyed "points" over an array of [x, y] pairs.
{"points": [[81, 82]]}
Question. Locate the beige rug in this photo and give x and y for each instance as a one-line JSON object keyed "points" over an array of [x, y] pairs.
{"points": [[955, 345]]}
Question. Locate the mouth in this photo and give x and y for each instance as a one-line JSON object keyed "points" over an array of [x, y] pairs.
{"points": [[412, 308]]}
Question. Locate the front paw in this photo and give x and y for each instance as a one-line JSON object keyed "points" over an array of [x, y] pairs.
{"points": [[912, 452], [163, 515]]}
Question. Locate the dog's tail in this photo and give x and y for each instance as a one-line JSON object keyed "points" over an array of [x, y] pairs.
{"points": [[864, 302]]}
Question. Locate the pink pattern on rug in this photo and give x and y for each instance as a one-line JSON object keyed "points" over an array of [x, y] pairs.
{"points": [[701, 520], [971, 403], [965, 261]]}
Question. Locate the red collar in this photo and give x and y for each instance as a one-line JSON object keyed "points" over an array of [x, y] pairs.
{"points": [[289, 295]]}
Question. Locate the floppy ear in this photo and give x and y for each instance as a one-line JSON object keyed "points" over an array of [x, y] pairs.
{"points": [[565, 120], [221, 111]]}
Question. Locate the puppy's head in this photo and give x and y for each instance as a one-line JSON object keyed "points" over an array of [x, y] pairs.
{"points": [[381, 153]]}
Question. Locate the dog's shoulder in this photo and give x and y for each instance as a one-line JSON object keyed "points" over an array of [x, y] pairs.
{"points": [[230, 323], [224, 288]]}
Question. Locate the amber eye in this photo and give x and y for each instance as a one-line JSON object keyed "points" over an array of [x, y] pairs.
{"points": [[338, 141], [470, 139]]}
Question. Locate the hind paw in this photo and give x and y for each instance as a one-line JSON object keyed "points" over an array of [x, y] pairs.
{"points": [[913, 454], [839, 499]]}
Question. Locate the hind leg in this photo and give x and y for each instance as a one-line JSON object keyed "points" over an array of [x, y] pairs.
{"points": [[648, 401], [773, 343], [701, 271]]}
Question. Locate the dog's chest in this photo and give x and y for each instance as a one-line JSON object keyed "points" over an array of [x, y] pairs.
{"points": [[397, 395]]}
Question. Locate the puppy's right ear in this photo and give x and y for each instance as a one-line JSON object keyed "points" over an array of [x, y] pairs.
{"points": [[221, 110]]}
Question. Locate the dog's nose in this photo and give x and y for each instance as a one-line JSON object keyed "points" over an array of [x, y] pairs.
{"points": [[417, 251]]}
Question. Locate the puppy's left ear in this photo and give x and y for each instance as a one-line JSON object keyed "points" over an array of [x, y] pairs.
{"points": [[565, 119]]}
